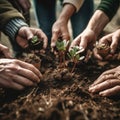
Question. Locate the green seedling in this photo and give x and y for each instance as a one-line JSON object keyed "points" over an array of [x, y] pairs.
{"points": [[75, 55], [35, 43], [61, 46]]}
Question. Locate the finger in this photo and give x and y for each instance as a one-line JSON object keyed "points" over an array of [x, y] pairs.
{"points": [[5, 51], [96, 54], [55, 36], [114, 44], [110, 92], [102, 78], [75, 42], [30, 67], [21, 80], [105, 40], [25, 69], [29, 74], [9, 77], [22, 42], [83, 42], [16, 86], [26, 33], [104, 85], [7, 82], [42, 36], [65, 35]]}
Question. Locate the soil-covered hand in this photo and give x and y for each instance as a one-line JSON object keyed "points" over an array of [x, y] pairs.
{"points": [[26, 33], [5, 51], [25, 4], [59, 30], [84, 40], [113, 40], [17, 74], [108, 83]]}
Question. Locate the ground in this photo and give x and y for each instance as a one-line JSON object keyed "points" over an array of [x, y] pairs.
{"points": [[61, 95]]}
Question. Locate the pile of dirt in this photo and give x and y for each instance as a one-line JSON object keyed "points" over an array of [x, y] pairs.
{"points": [[61, 95]]}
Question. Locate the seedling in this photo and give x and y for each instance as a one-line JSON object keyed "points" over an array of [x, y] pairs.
{"points": [[62, 46], [75, 55], [35, 43], [103, 49]]}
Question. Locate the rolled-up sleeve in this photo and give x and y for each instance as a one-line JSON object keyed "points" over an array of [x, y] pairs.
{"points": [[76, 3]]}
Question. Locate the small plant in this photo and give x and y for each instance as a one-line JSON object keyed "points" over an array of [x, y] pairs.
{"points": [[75, 55], [35, 43], [61, 46], [103, 49]]}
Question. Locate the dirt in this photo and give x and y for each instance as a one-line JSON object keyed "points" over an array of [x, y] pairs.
{"points": [[61, 95]]}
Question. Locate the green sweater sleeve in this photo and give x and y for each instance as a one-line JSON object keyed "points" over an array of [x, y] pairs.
{"points": [[109, 7], [7, 12]]}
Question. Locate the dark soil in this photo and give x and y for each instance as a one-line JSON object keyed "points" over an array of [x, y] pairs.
{"points": [[61, 95]]}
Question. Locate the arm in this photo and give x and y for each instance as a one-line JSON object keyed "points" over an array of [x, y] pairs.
{"points": [[60, 28], [14, 26], [96, 24], [76, 3]]}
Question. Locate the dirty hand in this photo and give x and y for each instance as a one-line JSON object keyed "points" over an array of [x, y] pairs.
{"points": [[84, 40], [27, 33], [113, 40], [59, 30], [108, 84], [5, 51], [25, 4], [17, 74]]}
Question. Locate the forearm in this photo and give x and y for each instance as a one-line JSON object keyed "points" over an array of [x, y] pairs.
{"points": [[67, 12], [98, 22], [76, 3]]}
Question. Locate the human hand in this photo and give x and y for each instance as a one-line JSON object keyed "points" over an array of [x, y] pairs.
{"points": [[113, 41], [108, 84], [25, 4], [5, 51], [84, 40], [17, 74], [59, 30], [27, 33]]}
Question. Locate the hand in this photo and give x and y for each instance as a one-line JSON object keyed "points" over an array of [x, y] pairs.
{"points": [[5, 51], [17, 75], [59, 29], [113, 40], [26, 33], [85, 39], [108, 83], [25, 4]]}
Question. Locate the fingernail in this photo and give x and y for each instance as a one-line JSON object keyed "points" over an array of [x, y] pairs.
{"points": [[52, 44], [91, 89], [101, 93]]}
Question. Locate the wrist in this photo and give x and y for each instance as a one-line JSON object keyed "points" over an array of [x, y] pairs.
{"points": [[67, 12], [13, 27], [98, 22]]}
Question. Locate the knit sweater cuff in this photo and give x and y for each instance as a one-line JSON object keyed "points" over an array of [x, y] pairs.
{"points": [[13, 26]]}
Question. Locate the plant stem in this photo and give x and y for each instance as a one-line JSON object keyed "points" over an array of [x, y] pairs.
{"points": [[74, 66], [64, 59]]}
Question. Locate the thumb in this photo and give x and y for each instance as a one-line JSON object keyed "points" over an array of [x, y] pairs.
{"points": [[26, 32], [54, 40]]}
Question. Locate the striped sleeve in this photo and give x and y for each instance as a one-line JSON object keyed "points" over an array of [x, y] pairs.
{"points": [[13, 26]]}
